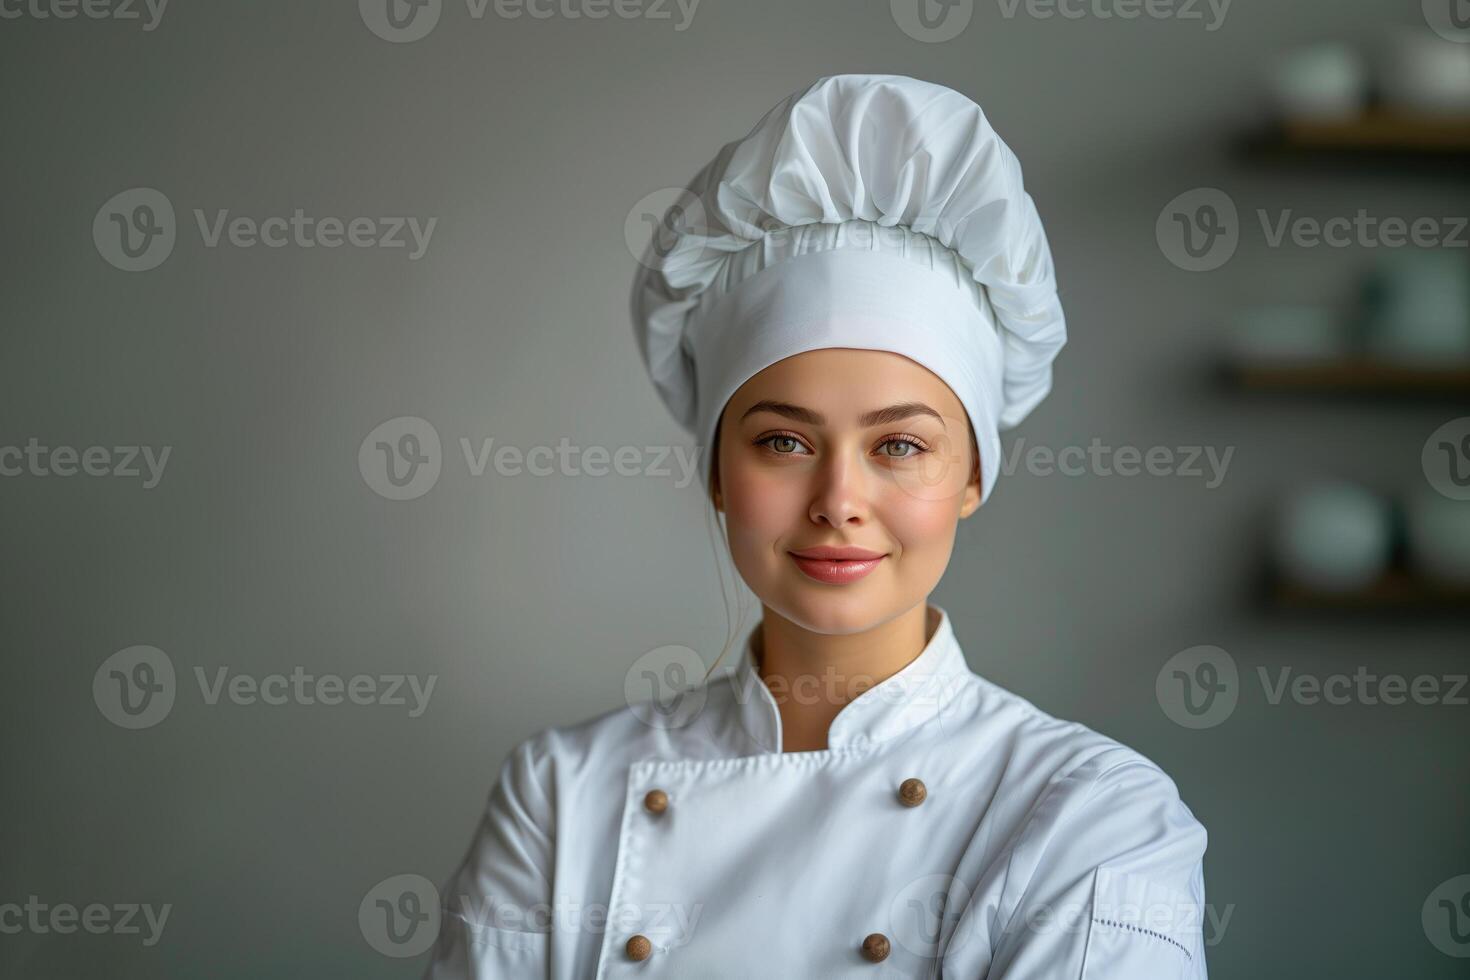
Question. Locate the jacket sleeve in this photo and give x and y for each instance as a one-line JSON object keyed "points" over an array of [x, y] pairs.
{"points": [[1113, 882], [496, 908]]}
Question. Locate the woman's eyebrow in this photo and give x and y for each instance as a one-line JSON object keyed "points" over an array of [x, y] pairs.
{"points": [[879, 416], [897, 413]]}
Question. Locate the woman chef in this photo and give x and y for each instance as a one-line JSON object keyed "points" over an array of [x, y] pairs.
{"points": [[847, 305]]}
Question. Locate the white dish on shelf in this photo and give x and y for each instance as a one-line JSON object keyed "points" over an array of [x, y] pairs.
{"points": [[1333, 536], [1419, 307], [1286, 335], [1423, 73], [1326, 81], [1439, 536]]}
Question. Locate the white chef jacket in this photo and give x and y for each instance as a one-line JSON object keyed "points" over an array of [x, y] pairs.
{"points": [[1041, 850]]}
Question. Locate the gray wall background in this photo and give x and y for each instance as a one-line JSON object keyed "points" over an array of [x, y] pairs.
{"points": [[263, 549]]}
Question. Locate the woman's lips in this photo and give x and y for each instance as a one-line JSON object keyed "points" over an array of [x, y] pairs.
{"points": [[836, 572]]}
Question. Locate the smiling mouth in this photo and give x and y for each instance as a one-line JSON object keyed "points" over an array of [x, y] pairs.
{"points": [[836, 571]]}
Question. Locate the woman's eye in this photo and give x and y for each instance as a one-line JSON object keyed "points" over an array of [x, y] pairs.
{"points": [[901, 448], [895, 448], [783, 445]]}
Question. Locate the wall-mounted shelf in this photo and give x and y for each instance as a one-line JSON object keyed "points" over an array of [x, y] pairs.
{"points": [[1356, 375], [1394, 143], [1378, 135], [1397, 591]]}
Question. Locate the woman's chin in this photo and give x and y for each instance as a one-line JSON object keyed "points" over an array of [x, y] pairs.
{"points": [[834, 610]]}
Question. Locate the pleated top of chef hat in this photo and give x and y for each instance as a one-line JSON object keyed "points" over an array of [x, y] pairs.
{"points": [[869, 211]]}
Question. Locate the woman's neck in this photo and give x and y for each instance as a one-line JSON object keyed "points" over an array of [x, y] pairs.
{"points": [[812, 676]]}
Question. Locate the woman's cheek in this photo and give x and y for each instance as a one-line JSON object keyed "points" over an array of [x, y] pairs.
{"points": [[925, 528], [760, 512]]}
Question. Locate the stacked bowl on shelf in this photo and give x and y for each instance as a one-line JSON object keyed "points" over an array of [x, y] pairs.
{"points": [[1413, 310], [1407, 328], [1413, 72], [1338, 537]]}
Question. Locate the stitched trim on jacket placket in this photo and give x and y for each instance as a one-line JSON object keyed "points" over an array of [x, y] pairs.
{"points": [[1147, 932]]}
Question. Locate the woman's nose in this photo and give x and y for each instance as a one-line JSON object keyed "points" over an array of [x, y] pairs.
{"points": [[840, 494]]}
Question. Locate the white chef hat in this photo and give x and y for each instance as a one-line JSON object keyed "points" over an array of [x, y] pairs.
{"points": [[869, 211]]}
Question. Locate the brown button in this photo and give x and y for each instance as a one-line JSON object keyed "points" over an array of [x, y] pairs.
{"points": [[875, 947], [911, 792], [639, 948], [657, 801]]}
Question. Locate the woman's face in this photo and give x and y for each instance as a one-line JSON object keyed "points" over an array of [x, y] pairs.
{"points": [[844, 448]]}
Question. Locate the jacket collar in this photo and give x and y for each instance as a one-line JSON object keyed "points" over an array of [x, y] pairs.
{"points": [[914, 695]]}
